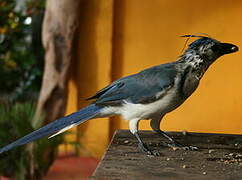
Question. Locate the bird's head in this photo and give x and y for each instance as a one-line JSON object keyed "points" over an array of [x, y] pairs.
{"points": [[209, 48]]}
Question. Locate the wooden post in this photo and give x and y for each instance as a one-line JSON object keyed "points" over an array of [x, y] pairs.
{"points": [[219, 157]]}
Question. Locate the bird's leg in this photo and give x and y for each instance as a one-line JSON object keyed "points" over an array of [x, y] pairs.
{"points": [[155, 125], [133, 126], [174, 143], [142, 145]]}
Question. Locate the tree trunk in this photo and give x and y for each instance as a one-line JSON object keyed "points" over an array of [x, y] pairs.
{"points": [[59, 27]]}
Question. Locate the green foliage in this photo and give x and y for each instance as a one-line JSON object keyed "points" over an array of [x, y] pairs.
{"points": [[29, 161], [21, 63], [21, 67]]}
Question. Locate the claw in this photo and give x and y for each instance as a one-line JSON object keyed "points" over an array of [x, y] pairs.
{"points": [[145, 149], [155, 153], [193, 148], [175, 145]]}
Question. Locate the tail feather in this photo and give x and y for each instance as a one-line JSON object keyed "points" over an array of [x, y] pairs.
{"points": [[58, 126], [62, 130]]}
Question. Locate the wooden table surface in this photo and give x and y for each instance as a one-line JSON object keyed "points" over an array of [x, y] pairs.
{"points": [[219, 157]]}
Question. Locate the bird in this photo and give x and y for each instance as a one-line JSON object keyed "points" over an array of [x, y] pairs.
{"points": [[147, 95]]}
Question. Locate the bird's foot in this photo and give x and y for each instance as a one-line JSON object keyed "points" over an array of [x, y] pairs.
{"points": [[145, 149], [176, 145]]}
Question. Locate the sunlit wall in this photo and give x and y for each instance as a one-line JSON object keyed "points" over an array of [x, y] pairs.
{"points": [[122, 37]]}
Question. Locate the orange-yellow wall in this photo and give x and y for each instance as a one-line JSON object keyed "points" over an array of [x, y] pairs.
{"points": [[121, 37]]}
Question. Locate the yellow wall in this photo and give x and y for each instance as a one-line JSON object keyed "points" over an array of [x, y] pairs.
{"points": [[91, 72], [119, 39]]}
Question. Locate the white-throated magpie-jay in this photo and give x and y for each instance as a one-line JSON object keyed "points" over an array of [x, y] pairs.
{"points": [[147, 95]]}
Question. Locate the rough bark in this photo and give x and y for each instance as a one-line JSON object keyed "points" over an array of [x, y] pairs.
{"points": [[59, 27]]}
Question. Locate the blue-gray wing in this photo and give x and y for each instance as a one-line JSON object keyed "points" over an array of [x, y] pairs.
{"points": [[142, 87]]}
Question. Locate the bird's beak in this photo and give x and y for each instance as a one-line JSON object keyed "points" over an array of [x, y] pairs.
{"points": [[227, 48]]}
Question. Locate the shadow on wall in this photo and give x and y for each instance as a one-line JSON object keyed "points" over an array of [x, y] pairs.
{"points": [[87, 59]]}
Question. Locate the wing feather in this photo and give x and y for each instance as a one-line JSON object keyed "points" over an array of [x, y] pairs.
{"points": [[144, 87]]}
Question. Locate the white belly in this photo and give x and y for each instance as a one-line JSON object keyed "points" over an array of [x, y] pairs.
{"points": [[147, 111], [131, 111]]}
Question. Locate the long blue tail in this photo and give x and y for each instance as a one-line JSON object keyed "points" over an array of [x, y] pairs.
{"points": [[57, 126]]}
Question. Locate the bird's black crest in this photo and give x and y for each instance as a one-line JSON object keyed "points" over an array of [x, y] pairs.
{"points": [[197, 35]]}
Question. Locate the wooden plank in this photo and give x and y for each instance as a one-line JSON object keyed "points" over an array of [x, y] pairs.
{"points": [[219, 157]]}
